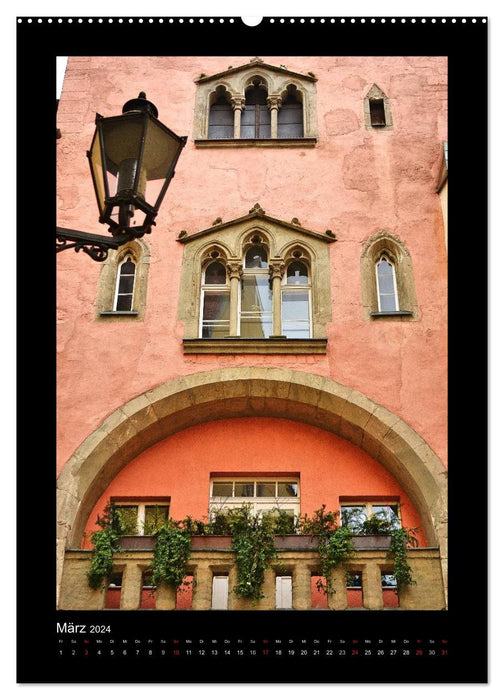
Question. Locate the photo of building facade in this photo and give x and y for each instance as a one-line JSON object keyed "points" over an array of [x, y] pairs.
{"points": [[278, 341]]}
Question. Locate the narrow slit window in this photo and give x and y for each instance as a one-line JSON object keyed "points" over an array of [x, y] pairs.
{"points": [[386, 285], [125, 286]]}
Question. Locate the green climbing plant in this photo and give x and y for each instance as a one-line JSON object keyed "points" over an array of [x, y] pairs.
{"points": [[105, 543], [172, 550], [398, 551]]}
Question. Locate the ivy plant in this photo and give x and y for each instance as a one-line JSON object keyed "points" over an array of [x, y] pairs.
{"points": [[105, 543], [172, 550]]}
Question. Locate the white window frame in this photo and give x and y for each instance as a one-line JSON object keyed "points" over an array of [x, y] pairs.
{"points": [[213, 288], [283, 598], [127, 258], [294, 287], [258, 504]]}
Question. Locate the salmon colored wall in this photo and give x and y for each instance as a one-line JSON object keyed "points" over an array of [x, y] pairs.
{"points": [[180, 467], [355, 182]]}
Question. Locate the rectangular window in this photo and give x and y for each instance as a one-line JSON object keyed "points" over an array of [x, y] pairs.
{"points": [[263, 494], [353, 515], [377, 112], [143, 518]]}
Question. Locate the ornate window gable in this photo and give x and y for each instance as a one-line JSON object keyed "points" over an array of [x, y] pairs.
{"points": [[377, 111], [255, 285], [255, 104], [388, 285]]}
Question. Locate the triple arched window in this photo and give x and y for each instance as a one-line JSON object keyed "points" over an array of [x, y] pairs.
{"points": [[257, 296]]}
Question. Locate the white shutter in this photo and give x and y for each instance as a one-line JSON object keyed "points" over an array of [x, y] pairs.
{"points": [[284, 592], [220, 589]]}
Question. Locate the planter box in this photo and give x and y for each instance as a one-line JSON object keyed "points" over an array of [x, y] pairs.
{"points": [[145, 542], [371, 541], [202, 543], [296, 542]]}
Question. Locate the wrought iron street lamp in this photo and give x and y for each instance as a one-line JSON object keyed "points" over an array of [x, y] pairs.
{"points": [[132, 160]]}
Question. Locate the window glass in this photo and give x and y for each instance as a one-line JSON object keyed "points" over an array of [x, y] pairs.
{"points": [[222, 488], [386, 286], [256, 307], [125, 286], [221, 120], [266, 489], [215, 314], [388, 581], [390, 513], [244, 489], [290, 118], [297, 273], [353, 516], [296, 313], [155, 517], [215, 273], [129, 518], [287, 489], [256, 256]]}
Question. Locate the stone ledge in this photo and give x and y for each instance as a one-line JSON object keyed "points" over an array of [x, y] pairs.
{"points": [[303, 142], [255, 346]]}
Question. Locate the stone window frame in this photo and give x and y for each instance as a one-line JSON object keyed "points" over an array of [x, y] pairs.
{"points": [[233, 83], [109, 275], [375, 93], [386, 244], [228, 242]]}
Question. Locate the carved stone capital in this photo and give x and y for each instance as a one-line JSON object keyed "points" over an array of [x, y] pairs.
{"points": [[276, 268], [238, 103], [274, 102], [234, 268]]}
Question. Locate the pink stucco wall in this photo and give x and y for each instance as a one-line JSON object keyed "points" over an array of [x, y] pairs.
{"points": [[354, 182]]}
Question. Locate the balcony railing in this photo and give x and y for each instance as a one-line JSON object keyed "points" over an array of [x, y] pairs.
{"points": [[297, 560]]}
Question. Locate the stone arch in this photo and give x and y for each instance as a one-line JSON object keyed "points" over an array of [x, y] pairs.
{"points": [[241, 392]]}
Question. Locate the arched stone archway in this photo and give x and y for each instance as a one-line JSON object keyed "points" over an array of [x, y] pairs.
{"points": [[241, 392]]}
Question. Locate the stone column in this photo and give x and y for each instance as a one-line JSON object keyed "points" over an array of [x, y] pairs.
{"points": [[277, 267], [202, 588], [166, 597], [274, 103], [372, 595], [237, 104], [131, 587], [301, 587], [338, 599], [235, 268]]}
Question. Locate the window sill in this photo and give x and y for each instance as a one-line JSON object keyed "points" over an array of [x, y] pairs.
{"points": [[255, 346], [380, 314], [303, 142], [118, 313]]}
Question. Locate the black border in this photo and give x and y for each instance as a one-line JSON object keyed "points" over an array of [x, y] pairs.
{"points": [[465, 622]]}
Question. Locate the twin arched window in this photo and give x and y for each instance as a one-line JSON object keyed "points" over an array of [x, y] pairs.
{"points": [[256, 297], [257, 115]]}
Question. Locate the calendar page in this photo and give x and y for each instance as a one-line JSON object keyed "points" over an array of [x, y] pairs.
{"points": [[253, 361]]}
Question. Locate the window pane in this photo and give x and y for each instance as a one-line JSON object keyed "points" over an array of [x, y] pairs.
{"points": [[354, 579], [215, 314], [390, 513], [386, 283], [377, 112], [388, 302], [221, 121], [297, 273], [129, 517], [387, 580], [215, 274], [266, 489], [295, 305], [128, 268], [222, 488], [124, 302], [126, 283], [155, 517], [287, 489], [353, 516], [244, 488], [256, 256], [256, 307]]}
